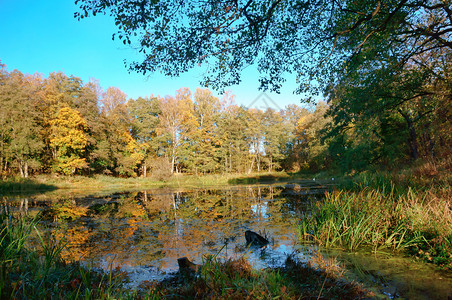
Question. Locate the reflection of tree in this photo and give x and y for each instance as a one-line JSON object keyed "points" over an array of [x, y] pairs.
{"points": [[77, 237], [158, 202], [156, 227]]}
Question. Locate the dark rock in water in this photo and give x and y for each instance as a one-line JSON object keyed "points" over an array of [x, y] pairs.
{"points": [[255, 239], [186, 265]]}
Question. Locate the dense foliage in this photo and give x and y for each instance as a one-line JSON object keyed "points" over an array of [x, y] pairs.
{"points": [[384, 66], [62, 125], [313, 39]]}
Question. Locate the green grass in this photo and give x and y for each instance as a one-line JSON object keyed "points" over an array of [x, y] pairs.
{"points": [[40, 273], [15, 185], [41, 183], [383, 213]]}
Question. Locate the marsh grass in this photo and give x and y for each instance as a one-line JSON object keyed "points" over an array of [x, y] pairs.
{"points": [[40, 273], [384, 214]]}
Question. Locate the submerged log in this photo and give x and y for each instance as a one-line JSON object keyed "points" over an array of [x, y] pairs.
{"points": [[255, 239], [186, 265]]}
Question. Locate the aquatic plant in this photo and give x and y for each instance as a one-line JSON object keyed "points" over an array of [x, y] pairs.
{"points": [[41, 273], [392, 217]]}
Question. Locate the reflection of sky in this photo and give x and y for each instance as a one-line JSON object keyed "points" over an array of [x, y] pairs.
{"points": [[144, 237], [260, 209]]}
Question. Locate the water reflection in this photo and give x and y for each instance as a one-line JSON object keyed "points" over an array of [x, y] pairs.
{"points": [[397, 277], [145, 232], [151, 229]]}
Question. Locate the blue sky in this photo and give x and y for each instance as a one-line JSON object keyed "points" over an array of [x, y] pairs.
{"points": [[43, 37]]}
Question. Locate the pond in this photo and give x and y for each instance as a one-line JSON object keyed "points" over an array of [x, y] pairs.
{"points": [[145, 232]]}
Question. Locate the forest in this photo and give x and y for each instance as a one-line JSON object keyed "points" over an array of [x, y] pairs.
{"points": [[63, 125], [375, 86]]}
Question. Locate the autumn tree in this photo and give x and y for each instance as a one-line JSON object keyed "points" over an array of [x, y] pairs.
{"points": [[292, 148], [313, 153], [144, 114], [118, 151], [176, 119], [275, 138], [380, 63], [68, 141], [255, 138], [234, 150], [57, 91], [201, 138], [87, 105]]}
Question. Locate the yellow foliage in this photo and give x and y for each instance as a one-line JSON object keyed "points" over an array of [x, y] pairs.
{"points": [[68, 140], [68, 130]]}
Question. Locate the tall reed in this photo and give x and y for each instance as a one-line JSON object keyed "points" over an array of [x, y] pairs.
{"points": [[386, 218], [40, 273]]}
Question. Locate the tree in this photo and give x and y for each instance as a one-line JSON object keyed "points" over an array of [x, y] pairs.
{"points": [[68, 141], [87, 105], [144, 113], [20, 130], [173, 112], [255, 138], [313, 39], [117, 151], [234, 150], [292, 147], [380, 63], [375, 96], [275, 138], [201, 135], [312, 153]]}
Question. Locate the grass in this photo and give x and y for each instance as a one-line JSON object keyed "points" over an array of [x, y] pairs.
{"points": [[254, 178], [386, 212], [46, 182], [23, 185], [236, 279], [41, 273]]}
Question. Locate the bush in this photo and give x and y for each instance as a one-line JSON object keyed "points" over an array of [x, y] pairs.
{"points": [[161, 169]]}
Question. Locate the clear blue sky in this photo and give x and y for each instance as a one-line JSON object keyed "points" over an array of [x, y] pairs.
{"points": [[43, 36]]}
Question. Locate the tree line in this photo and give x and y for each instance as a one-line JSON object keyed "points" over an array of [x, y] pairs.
{"points": [[63, 125]]}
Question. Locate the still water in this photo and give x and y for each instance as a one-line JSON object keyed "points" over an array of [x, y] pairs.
{"points": [[145, 232]]}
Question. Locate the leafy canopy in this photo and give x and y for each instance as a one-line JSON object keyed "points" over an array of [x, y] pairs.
{"points": [[316, 40]]}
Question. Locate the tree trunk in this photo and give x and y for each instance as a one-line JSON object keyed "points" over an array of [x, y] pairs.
{"points": [[431, 143], [21, 169], [412, 142], [173, 159], [251, 166]]}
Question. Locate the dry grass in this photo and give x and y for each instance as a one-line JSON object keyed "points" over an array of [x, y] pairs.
{"points": [[384, 211]]}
